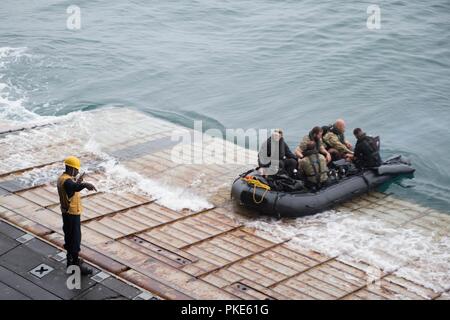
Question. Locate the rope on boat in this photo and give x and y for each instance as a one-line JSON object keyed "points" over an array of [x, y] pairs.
{"points": [[257, 184]]}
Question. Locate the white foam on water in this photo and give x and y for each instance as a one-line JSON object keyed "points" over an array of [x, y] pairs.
{"points": [[12, 99], [29, 148], [12, 52], [40, 176], [75, 134], [409, 252], [118, 177], [12, 110]]}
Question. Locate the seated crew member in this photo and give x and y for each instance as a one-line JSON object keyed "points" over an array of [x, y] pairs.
{"points": [[337, 146], [314, 135], [313, 167], [367, 148], [275, 148]]}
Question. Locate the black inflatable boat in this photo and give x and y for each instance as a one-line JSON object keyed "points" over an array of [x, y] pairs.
{"points": [[301, 203]]}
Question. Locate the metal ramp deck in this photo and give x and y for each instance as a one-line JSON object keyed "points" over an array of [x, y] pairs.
{"points": [[136, 227]]}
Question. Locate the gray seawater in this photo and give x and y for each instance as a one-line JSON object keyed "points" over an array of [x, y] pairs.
{"points": [[244, 64]]}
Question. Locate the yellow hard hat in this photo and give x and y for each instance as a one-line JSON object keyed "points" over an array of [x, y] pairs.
{"points": [[73, 162]]}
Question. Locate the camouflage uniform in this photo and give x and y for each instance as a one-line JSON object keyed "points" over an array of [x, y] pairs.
{"points": [[314, 167], [306, 139], [336, 141]]}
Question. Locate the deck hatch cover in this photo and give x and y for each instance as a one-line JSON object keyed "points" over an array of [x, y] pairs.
{"points": [[41, 270]]}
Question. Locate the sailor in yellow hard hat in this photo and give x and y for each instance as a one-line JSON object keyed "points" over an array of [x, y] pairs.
{"points": [[71, 208]]}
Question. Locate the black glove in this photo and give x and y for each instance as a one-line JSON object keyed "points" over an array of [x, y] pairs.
{"points": [[89, 186]]}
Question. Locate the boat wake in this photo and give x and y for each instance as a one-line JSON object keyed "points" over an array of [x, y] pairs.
{"points": [[406, 251]]}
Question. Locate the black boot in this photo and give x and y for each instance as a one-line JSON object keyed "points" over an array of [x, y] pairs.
{"points": [[84, 268], [69, 260], [75, 261]]}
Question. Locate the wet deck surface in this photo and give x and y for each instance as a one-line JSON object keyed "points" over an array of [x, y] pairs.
{"points": [[204, 252]]}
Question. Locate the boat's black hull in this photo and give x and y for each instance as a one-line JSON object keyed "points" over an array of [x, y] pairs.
{"points": [[284, 204]]}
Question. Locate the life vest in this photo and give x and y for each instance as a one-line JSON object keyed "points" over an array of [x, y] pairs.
{"points": [[68, 205]]}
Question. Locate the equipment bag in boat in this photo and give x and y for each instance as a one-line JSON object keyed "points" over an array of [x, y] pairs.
{"points": [[283, 182]]}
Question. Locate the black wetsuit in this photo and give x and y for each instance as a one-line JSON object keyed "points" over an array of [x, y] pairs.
{"points": [[367, 152]]}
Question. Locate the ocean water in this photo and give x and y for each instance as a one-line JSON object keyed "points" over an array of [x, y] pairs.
{"points": [[244, 64]]}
